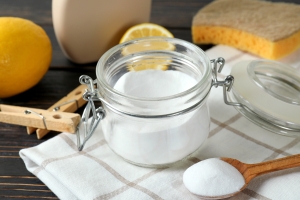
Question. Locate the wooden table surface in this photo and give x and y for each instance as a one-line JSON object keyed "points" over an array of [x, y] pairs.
{"points": [[15, 181]]}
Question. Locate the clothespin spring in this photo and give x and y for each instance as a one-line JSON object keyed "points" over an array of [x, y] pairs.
{"points": [[27, 112]]}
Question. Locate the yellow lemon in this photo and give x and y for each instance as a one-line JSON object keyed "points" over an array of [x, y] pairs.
{"points": [[147, 30], [25, 55]]}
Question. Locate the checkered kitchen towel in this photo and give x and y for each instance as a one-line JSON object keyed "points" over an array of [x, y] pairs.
{"points": [[97, 173]]}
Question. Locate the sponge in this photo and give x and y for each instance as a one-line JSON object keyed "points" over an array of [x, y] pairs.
{"points": [[267, 29]]}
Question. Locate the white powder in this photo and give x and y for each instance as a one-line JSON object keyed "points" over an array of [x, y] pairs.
{"points": [[154, 83], [213, 177], [156, 141]]}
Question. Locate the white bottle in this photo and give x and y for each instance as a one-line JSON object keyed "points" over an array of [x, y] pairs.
{"points": [[85, 29]]}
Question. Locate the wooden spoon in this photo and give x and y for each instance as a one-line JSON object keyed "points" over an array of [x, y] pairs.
{"points": [[250, 171]]}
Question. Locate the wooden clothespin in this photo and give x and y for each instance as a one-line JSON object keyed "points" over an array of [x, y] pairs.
{"points": [[69, 103], [38, 118]]}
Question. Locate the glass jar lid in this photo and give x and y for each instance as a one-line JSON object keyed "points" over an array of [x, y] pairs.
{"points": [[269, 93]]}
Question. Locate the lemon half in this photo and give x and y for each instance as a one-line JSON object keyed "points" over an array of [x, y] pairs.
{"points": [[147, 30]]}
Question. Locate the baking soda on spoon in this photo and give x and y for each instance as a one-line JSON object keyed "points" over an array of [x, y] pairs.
{"points": [[222, 178], [213, 177]]}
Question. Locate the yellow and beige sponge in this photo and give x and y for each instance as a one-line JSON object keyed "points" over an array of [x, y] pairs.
{"points": [[267, 29]]}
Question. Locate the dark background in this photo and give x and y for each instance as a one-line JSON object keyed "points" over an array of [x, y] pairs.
{"points": [[62, 77]]}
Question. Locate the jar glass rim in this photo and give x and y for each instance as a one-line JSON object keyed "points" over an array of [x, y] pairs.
{"points": [[100, 72]]}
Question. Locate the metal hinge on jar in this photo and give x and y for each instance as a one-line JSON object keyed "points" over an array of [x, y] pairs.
{"points": [[227, 83], [88, 124]]}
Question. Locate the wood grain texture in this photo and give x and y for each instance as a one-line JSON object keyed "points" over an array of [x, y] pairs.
{"points": [[250, 171], [15, 181]]}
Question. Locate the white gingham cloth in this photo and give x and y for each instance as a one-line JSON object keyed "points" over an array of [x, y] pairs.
{"points": [[97, 173]]}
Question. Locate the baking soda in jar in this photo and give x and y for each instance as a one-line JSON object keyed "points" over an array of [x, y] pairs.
{"points": [[156, 141], [154, 117]]}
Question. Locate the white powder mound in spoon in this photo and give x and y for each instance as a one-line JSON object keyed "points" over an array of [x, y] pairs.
{"points": [[154, 83], [213, 177]]}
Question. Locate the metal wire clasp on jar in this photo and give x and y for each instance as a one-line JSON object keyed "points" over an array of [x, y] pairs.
{"points": [[158, 131]]}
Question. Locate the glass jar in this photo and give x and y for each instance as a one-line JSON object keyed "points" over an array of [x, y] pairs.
{"points": [[156, 131], [162, 130]]}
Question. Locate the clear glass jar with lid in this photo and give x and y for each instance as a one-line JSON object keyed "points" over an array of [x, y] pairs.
{"points": [[152, 131]]}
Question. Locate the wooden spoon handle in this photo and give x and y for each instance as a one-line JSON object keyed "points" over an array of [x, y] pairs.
{"points": [[253, 170]]}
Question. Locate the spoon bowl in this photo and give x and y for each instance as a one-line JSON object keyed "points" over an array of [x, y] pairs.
{"points": [[250, 171]]}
